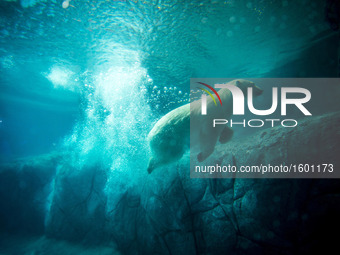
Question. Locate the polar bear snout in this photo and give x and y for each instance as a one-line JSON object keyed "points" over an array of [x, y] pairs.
{"points": [[150, 170], [151, 165]]}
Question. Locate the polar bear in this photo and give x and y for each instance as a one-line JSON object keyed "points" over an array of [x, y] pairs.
{"points": [[170, 138]]}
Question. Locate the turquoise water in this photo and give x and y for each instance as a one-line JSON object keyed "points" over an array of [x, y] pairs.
{"points": [[89, 81], [99, 73]]}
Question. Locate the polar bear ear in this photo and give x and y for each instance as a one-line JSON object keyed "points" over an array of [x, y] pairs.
{"points": [[241, 86]]}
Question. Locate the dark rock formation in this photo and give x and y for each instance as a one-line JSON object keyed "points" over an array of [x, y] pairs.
{"points": [[169, 213], [25, 186], [313, 141]]}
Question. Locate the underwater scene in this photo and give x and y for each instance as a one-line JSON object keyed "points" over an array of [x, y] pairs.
{"points": [[94, 127]]}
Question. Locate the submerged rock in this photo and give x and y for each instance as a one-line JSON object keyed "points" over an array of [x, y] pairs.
{"points": [[170, 213]]}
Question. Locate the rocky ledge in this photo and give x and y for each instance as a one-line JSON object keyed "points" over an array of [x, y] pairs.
{"points": [[170, 213]]}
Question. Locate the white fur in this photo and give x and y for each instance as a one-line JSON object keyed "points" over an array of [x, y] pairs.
{"points": [[169, 138]]}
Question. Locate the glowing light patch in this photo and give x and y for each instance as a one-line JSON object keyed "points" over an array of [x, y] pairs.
{"points": [[61, 77]]}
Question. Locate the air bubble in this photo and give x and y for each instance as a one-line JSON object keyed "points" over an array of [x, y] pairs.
{"points": [[204, 20], [232, 19], [249, 5], [218, 31], [312, 29], [172, 142], [66, 4], [283, 26], [230, 33]]}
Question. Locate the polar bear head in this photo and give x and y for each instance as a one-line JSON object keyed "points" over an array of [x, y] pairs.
{"points": [[245, 84]]}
